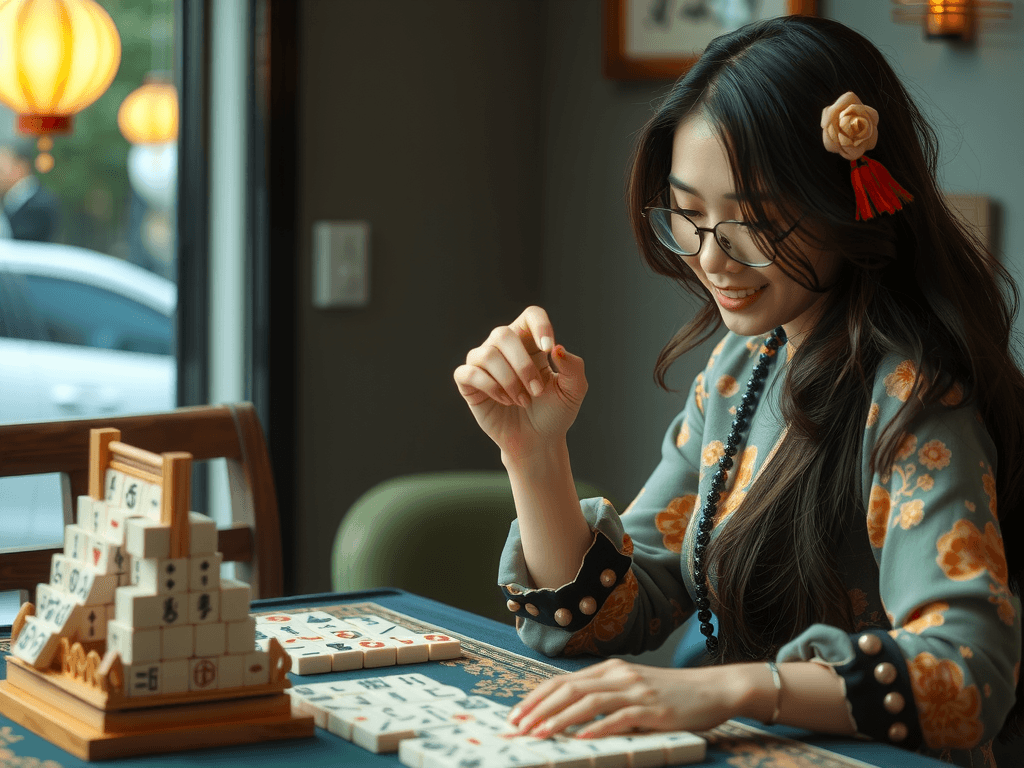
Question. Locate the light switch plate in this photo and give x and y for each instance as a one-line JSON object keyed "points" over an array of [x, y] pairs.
{"points": [[341, 264]]}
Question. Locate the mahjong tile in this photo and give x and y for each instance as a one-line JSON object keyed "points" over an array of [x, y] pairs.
{"points": [[379, 729]]}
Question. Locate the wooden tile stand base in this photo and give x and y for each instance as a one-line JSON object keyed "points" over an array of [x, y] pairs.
{"points": [[92, 733], [96, 724]]}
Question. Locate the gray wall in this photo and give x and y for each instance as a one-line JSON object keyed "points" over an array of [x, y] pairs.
{"points": [[481, 142]]}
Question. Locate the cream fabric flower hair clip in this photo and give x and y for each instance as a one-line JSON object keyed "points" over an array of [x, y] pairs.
{"points": [[850, 128]]}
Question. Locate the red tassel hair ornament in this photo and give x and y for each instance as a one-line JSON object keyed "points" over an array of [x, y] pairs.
{"points": [[850, 128], [875, 188]]}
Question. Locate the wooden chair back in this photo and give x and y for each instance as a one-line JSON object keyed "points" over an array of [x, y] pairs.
{"points": [[229, 431]]}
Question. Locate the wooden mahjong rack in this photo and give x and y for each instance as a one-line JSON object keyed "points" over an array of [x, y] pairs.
{"points": [[136, 645]]}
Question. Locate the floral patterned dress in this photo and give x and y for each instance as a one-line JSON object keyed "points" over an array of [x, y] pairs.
{"points": [[926, 573]]}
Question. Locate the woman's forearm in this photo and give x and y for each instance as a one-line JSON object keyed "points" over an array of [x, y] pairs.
{"points": [[812, 696], [554, 533]]}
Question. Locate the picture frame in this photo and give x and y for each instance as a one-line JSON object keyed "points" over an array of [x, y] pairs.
{"points": [[651, 39]]}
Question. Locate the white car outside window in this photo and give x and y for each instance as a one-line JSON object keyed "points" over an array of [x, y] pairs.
{"points": [[82, 334]]}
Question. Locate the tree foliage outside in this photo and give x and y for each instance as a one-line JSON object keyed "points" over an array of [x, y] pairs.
{"points": [[90, 177]]}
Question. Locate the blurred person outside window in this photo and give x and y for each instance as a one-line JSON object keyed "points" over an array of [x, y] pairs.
{"points": [[29, 211]]}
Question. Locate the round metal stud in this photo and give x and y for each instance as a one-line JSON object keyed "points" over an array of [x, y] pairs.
{"points": [[607, 577], [893, 703], [532, 609], [897, 732], [512, 605], [513, 589], [563, 616], [588, 606], [870, 644], [885, 673]]}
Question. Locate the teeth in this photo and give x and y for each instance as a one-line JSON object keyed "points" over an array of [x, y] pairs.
{"points": [[738, 294]]}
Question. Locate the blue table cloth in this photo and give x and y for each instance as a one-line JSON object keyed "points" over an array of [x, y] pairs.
{"points": [[495, 664]]}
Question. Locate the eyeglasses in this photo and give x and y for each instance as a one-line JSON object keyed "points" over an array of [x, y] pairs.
{"points": [[682, 236]]}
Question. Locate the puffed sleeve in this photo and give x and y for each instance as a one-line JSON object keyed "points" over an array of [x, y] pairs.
{"points": [[944, 675], [629, 594]]}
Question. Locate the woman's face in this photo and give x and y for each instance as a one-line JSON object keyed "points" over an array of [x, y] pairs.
{"points": [[752, 300]]}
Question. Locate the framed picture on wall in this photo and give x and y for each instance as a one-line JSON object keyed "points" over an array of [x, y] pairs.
{"points": [[661, 39]]}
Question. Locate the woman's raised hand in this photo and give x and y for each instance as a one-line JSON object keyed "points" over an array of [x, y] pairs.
{"points": [[519, 400]]}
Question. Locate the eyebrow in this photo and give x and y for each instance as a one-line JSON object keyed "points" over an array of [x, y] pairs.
{"points": [[684, 187]]}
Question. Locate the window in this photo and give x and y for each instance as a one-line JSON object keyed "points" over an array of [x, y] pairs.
{"points": [[88, 297]]}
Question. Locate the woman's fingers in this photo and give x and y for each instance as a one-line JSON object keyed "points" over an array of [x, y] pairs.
{"points": [[477, 386], [581, 710], [519, 354], [534, 325], [494, 362], [625, 720]]}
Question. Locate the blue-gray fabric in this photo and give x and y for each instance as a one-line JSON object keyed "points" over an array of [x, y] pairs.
{"points": [[926, 562]]}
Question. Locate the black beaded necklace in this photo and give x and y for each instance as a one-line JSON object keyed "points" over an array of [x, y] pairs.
{"points": [[707, 515]]}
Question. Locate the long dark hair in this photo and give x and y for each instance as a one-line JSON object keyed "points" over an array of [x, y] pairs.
{"points": [[917, 283]]}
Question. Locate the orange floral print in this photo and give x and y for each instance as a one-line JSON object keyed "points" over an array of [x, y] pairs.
{"points": [[966, 652], [727, 386], [712, 452], [730, 500], [930, 615], [900, 382], [609, 622], [911, 513], [988, 482], [1004, 607], [907, 446], [873, 415], [699, 393], [926, 482], [953, 397], [634, 501], [934, 454], [654, 625], [684, 434], [965, 552], [673, 520], [879, 507], [718, 349], [627, 545], [949, 711]]}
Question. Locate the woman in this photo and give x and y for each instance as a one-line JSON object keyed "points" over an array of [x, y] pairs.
{"points": [[828, 491]]}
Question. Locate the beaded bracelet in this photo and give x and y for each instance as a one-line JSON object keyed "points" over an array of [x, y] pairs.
{"points": [[572, 606]]}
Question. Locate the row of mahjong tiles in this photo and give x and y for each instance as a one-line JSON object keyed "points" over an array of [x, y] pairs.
{"points": [[319, 642], [432, 725]]}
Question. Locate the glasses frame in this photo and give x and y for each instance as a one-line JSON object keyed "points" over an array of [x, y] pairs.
{"points": [[713, 230]]}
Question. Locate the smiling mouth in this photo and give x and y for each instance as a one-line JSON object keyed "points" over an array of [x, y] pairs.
{"points": [[737, 300], [740, 293]]}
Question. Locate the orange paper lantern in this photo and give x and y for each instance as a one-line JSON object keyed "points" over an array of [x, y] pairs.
{"points": [[150, 114], [56, 58]]}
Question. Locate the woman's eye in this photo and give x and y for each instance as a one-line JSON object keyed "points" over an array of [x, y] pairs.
{"points": [[689, 213]]}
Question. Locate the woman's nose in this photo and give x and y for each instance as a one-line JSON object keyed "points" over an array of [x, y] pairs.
{"points": [[714, 259]]}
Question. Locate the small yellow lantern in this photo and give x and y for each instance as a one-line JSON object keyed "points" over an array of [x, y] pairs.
{"points": [[150, 113], [56, 58]]}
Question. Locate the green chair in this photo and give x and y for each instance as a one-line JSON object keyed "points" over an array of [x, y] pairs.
{"points": [[437, 534]]}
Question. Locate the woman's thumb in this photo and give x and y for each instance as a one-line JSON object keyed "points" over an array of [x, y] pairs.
{"points": [[570, 371]]}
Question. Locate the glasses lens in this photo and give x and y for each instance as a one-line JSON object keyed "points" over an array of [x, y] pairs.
{"points": [[736, 240], [674, 231]]}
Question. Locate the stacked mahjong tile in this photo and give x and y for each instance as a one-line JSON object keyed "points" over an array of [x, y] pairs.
{"points": [[318, 642], [176, 625], [432, 725]]}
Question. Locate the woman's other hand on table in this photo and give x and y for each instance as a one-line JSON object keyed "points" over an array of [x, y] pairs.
{"points": [[629, 697]]}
